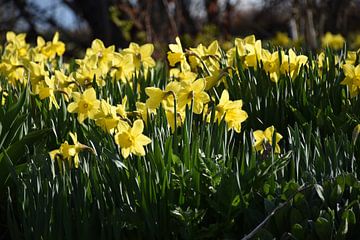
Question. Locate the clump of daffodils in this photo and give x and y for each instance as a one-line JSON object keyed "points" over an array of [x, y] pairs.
{"points": [[190, 90], [196, 75]]}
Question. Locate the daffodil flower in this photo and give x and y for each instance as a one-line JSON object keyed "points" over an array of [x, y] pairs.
{"points": [[47, 91], [335, 41], [85, 105], [263, 139], [158, 96], [352, 78], [106, 117], [193, 92], [177, 54], [131, 140], [69, 152], [53, 48], [230, 111], [141, 54]]}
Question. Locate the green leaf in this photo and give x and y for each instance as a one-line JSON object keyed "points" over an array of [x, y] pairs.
{"points": [[323, 228], [298, 231], [13, 111], [320, 191], [13, 154]]}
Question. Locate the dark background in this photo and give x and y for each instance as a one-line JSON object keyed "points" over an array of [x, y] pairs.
{"points": [[159, 21]]}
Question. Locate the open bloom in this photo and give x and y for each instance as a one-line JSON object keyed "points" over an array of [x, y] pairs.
{"points": [[177, 55], [352, 78], [131, 140], [85, 105], [141, 54], [193, 91], [231, 111], [264, 139], [158, 96]]}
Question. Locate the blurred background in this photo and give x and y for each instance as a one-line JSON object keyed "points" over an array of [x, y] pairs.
{"points": [[160, 21]]}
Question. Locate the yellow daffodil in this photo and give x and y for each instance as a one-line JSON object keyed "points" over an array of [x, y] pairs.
{"points": [[37, 72], [335, 41], [144, 111], [193, 92], [13, 69], [85, 75], [264, 140], [254, 54], [123, 67], [131, 140], [248, 49], [271, 64], [352, 78], [171, 118], [121, 108], [66, 84], [282, 39], [98, 62], [141, 54], [231, 111], [176, 55], [16, 44], [53, 48], [158, 96], [176, 74], [234, 116], [47, 90], [106, 117], [216, 76], [351, 57], [205, 55], [85, 105], [68, 152], [291, 63]]}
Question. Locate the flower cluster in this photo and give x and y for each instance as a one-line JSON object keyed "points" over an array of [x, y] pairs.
{"points": [[196, 77]]}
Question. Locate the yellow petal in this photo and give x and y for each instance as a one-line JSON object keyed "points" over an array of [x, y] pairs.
{"points": [[76, 161], [142, 139], [72, 107], [174, 58], [125, 152], [89, 94], [146, 50], [73, 137], [349, 70], [76, 96], [156, 95], [139, 150], [269, 133], [53, 154], [199, 85], [81, 117], [258, 135], [137, 128], [357, 71], [97, 45], [224, 97]]}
